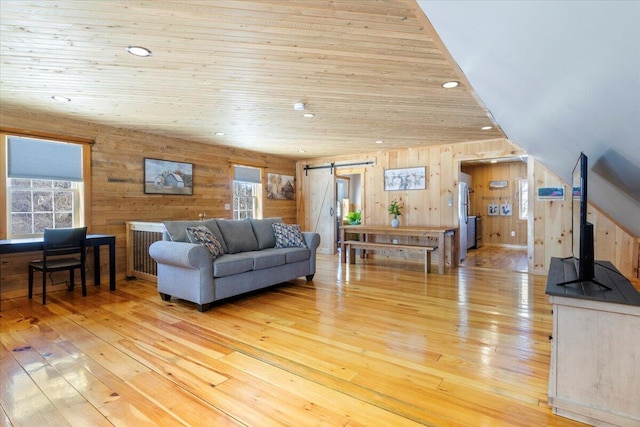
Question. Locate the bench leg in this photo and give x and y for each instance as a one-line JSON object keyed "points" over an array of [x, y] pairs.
{"points": [[427, 261], [351, 254]]}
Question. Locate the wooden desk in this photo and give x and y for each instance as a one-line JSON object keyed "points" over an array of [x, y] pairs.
{"points": [[443, 234], [34, 244]]}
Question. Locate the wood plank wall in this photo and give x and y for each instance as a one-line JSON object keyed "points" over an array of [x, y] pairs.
{"points": [[496, 230], [117, 187], [551, 228], [549, 224]]}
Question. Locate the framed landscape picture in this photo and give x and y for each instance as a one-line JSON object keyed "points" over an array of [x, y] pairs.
{"points": [[280, 187], [168, 177], [551, 193], [405, 179], [498, 184]]}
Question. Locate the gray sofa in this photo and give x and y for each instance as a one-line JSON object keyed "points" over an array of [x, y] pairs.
{"points": [[250, 261]]}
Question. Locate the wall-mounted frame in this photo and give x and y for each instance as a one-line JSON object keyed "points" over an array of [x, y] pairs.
{"points": [[498, 184], [550, 193], [168, 177], [506, 209], [405, 179], [280, 187], [493, 209]]}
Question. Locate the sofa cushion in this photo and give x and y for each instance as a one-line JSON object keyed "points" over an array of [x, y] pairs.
{"points": [[295, 254], [177, 230], [264, 232], [268, 258], [229, 265], [288, 236], [203, 236], [238, 235]]}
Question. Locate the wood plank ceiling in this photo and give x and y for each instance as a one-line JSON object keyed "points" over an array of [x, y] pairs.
{"points": [[369, 70]]}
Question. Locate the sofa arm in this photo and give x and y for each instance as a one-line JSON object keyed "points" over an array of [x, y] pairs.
{"points": [[185, 271], [312, 240], [180, 254]]}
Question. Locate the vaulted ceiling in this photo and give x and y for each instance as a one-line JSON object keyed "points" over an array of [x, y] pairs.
{"points": [[559, 77], [368, 70]]}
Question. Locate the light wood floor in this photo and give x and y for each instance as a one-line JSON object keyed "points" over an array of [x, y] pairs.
{"points": [[372, 344], [497, 258]]}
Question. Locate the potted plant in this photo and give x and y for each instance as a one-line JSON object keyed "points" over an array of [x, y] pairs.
{"points": [[354, 218], [395, 210]]}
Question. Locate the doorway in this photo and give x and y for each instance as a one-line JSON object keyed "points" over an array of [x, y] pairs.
{"points": [[349, 198], [498, 204]]}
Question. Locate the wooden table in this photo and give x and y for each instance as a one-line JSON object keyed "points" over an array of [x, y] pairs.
{"points": [[33, 244], [447, 239]]}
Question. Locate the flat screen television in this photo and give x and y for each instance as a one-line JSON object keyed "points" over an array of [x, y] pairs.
{"points": [[582, 230]]}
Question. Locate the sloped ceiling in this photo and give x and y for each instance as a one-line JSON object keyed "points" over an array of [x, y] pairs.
{"points": [[559, 77], [369, 70]]}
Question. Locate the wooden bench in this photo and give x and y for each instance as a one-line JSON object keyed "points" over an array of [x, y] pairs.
{"points": [[352, 245]]}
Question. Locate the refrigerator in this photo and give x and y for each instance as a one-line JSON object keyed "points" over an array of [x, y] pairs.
{"points": [[463, 212]]}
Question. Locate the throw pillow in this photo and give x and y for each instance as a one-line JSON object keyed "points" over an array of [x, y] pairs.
{"points": [[205, 237], [288, 236]]}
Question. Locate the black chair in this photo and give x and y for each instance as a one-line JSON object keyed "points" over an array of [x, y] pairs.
{"points": [[59, 243]]}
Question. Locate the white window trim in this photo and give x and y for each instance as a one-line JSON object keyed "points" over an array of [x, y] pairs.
{"points": [[258, 190], [523, 214]]}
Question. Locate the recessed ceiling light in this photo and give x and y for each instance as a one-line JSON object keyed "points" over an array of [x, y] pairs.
{"points": [[493, 161], [220, 133], [138, 51], [302, 151], [59, 98], [487, 127], [308, 115], [451, 84], [379, 141]]}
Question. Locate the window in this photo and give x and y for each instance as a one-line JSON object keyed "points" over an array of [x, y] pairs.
{"points": [[36, 204], [247, 192], [44, 182], [523, 199]]}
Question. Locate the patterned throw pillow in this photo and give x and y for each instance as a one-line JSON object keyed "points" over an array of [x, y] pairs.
{"points": [[205, 237], [288, 236]]}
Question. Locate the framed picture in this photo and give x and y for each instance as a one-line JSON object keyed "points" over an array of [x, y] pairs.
{"points": [[280, 187], [498, 184], [492, 209], [551, 193], [505, 209], [168, 177], [405, 179]]}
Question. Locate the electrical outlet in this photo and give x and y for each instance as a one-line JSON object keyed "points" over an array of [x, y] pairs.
{"points": [[394, 241], [513, 234], [227, 207]]}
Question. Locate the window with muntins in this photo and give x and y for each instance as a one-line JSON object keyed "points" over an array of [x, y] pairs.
{"points": [[44, 184], [247, 192]]}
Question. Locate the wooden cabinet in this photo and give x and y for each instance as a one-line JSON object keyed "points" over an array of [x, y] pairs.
{"points": [[595, 355]]}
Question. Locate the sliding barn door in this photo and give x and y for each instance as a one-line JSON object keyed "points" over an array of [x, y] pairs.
{"points": [[320, 207]]}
